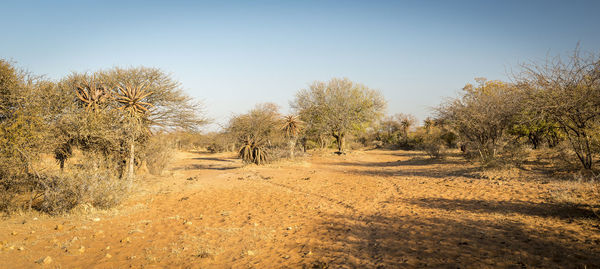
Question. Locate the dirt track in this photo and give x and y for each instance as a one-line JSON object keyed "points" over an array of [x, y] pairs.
{"points": [[372, 209]]}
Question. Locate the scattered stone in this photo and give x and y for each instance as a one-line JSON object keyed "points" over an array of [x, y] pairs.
{"points": [[187, 222], [108, 256], [107, 247], [288, 228], [98, 233], [184, 198], [32, 232], [59, 227], [81, 249], [286, 257], [225, 213], [126, 240], [306, 178], [45, 260], [13, 233], [35, 218], [20, 248], [250, 253], [96, 219]]}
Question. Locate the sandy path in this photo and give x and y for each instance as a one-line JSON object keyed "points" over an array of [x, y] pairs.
{"points": [[373, 209]]}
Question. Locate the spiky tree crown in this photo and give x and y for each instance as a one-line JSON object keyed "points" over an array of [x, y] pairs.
{"points": [[291, 125], [130, 96], [92, 93]]}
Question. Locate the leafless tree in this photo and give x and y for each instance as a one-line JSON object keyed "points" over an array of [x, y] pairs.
{"points": [[567, 93], [482, 115], [338, 107]]}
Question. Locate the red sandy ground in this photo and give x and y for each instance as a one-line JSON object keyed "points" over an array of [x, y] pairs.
{"points": [[371, 209]]}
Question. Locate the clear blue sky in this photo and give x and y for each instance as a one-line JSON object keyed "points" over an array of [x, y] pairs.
{"points": [[234, 54]]}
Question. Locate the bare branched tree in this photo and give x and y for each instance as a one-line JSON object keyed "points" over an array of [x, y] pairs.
{"points": [[567, 93], [338, 107], [482, 115]]}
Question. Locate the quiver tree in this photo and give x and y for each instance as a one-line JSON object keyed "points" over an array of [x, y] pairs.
{"points": [[406, 122], [291, 128], [131, 97], [338, 107], [93, 93], [150, 100]]}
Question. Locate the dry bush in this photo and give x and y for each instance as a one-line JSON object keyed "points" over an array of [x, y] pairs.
{"points": [[93, 182], [432, 143], [482, 115], [158, 153]]}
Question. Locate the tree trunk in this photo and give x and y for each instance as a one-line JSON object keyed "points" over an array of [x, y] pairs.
{"points": [[292, 145], [130, 173], [340, 140]]}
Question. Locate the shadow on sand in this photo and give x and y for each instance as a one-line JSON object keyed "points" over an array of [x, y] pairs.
{"points": [[378, 241]]}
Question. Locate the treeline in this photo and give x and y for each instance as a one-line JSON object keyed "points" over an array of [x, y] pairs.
{"points": [[110, 119], [553, 104]]}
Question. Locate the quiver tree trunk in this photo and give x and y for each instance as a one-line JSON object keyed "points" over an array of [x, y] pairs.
{"points": [[292, 146], [131, 162]]}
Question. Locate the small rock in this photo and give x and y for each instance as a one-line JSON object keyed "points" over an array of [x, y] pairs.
{"points": [[225, 213], [13, 233], [96, 219], [107, 247], [46, 260], [32, 232], [187, 222], [81, 249], [98, 233], [59, 227], [20, 248], [250, 253], [288, 228], [286, 257], [126, 240], [108, 256], [35, 218]]}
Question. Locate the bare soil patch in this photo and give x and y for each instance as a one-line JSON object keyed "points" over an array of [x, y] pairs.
{"points": [[371, 209]]}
